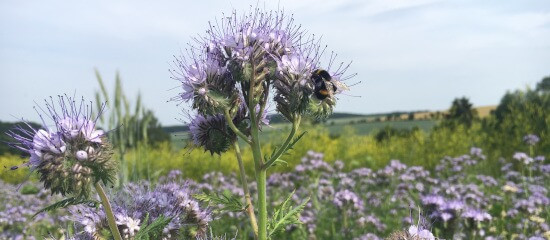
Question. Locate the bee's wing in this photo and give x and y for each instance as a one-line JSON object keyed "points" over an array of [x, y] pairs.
{"points": [[340, 86]]}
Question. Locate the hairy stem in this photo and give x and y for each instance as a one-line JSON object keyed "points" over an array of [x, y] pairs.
{"points": [[261, 177], [229, 120], [248, 199], [108, 211], [260, 173], [284, 147]]}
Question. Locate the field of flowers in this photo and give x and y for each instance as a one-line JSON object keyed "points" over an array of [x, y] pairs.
{"points": [[452, 202], [88, 174]]}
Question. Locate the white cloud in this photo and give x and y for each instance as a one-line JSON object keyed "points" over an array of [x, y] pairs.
{"points": [[409, 54]]}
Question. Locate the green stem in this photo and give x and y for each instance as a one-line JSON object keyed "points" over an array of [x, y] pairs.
{"points": [[248, 199], [108, 211], [261, 177], [531, 154], [284, 147], [229, 121]]}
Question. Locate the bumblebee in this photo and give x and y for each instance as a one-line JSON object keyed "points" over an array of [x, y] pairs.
{"points": [[322, 82]]}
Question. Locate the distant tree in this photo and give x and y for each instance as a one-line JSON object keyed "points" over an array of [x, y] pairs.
{"points": [[388, 132], [544, 84], [411, 116], [503, 107], [519, 113], [462, 112]]}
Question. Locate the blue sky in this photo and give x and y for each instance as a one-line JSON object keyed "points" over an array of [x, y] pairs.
{"points": [[408, 54]]}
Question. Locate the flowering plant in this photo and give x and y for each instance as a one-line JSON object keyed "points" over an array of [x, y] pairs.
{"points": [[72, 155], [229, 74]]}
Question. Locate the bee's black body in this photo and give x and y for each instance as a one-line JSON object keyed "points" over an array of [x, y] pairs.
{"points": [[321, 78]]}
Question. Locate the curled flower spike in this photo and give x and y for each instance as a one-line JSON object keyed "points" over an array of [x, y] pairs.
{"points": [[70, 154], [212, 132]]}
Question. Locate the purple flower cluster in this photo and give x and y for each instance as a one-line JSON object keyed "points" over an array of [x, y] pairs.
{"points": [[531, 139], [70, 155], [229, 72], [345, 198], [135, 202], [18, 207]]}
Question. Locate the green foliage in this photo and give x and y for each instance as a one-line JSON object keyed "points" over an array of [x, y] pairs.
{"points": [[518, 114], [67, 202], [131, 127], [152, 230], [461, 112], [13, 176], [29, 189], [388, 132], [229, 202], [284, 215], [544, 84], [274, 159]]}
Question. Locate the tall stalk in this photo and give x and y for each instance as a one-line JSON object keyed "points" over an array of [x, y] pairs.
{"points": [[261, 179], [260, 172], [247, 198], [231, 73], [108, 211]]}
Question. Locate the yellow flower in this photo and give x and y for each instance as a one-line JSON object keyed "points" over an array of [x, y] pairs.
{"points": [[508, 188], [536, 219]]}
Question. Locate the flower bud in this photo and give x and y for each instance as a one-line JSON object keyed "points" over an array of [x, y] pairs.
{"points": [[81, 155], [76, 168], [90, 150]]}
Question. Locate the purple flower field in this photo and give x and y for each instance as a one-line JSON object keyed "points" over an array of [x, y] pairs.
{"points": [[453, 202]]}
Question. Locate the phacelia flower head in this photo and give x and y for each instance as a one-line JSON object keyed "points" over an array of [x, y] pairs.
{"points": [[243, 57], [417, 232], [345, 198], [523, 157], [531, 139], [138, 205], [70, 153], [212, 132]]}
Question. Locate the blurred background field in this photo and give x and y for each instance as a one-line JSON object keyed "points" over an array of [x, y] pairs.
{"points": [[364, 153], [147, 150]]}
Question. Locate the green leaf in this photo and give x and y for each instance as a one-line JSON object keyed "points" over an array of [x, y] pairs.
{"points": [[284, 215], [290, 146], [230, 202], [296, 139], [153, 230], [67, 202], [281, 162]]}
